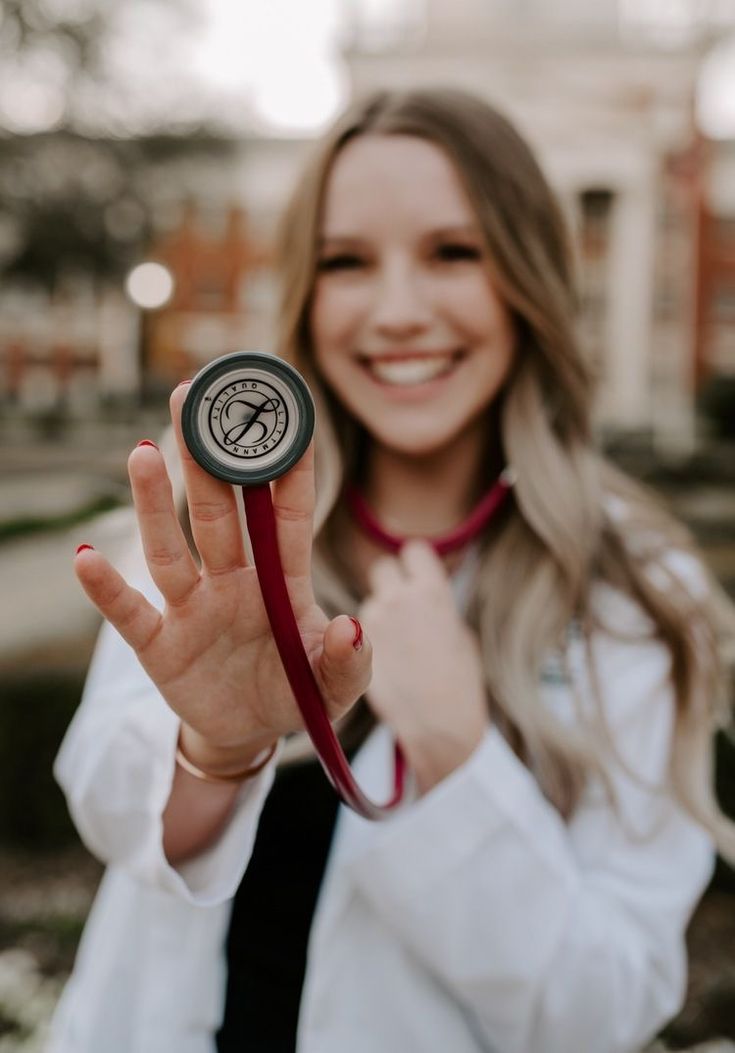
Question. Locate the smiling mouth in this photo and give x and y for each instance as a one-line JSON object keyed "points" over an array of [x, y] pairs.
{"points": [[409, 370]]}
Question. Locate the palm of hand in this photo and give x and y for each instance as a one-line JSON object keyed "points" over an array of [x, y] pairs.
{"points": [[215, 661], [211, 653]]}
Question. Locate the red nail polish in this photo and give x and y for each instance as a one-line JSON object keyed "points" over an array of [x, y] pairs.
{"points": [[147, 442], [81, 548], [357, 638]]}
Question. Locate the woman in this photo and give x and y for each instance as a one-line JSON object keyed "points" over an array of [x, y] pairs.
{"points": [[552, 682]]}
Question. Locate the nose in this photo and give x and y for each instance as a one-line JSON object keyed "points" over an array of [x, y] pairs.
{"points": [[400, 308]]}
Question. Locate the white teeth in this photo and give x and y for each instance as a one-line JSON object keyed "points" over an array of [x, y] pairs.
{"points": [[410, 370]]}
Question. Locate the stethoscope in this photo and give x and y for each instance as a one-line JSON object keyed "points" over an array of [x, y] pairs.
{"points": [[247, 419]]}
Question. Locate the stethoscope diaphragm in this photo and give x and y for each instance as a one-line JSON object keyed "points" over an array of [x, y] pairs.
{"points": [[248, 418]]}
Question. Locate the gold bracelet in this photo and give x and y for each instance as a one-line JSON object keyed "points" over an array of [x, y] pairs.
{"points": [[207, 776]]}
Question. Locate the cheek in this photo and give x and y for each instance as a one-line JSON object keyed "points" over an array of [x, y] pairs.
{"points": [[486, 322], [318, 318], [335, 315], [475, 305]]}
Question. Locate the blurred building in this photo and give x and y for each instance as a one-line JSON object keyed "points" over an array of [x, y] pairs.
{"points": [[61, 350], [607, 94], [715, 338], [213, 274], [87, 339], [218, 249]]}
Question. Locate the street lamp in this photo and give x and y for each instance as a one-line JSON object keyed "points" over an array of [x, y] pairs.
{"points": [[150, 286]]}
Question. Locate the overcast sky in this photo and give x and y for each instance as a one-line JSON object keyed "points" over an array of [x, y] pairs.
{"points": [[270, 64]]}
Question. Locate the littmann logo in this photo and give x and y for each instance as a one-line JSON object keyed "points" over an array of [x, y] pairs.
{"points": [[247, 418]]}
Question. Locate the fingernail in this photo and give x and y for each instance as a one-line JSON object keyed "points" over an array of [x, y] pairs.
{"points": [[81, 548], [357, 638], [181, 382], [147, 442]]}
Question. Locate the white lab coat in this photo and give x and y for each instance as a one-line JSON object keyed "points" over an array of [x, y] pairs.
{"points": [[473, 920]]}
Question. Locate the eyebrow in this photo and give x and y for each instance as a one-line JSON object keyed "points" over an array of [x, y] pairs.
{"points": [[453, 230]]}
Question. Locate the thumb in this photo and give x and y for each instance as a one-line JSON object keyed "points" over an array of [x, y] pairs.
{"points": [[345, 664]]}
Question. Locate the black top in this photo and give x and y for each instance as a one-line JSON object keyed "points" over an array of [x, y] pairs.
{"points": [[272, 913]]}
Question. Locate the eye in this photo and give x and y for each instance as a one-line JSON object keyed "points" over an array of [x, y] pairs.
{"points": [[343, 261], [450, 252]]}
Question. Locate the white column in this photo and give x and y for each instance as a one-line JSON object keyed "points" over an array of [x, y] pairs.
{"points": [[626, 396]]}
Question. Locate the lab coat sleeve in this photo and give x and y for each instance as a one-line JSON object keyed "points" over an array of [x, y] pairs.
{"points": [[554, 936], [116, 767]]}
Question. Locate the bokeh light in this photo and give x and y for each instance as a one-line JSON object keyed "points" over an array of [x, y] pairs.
{"points": [[150, 285], [32, 99], [289, 109], [716, 92], [281, 56]]}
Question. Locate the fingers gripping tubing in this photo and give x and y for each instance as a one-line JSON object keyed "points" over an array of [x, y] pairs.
{"points": [[247, 419]]}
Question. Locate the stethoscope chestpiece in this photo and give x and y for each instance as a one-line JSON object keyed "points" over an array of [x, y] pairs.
{"points": [[248, 418]]}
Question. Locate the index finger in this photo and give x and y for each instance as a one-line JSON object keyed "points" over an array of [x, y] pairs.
{"points": [[215, 523]]}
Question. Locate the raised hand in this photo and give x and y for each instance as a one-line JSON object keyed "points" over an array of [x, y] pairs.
{"points": [[211, 652]]}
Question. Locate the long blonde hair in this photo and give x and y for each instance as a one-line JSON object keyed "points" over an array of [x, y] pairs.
{"points": [[565, 531]]}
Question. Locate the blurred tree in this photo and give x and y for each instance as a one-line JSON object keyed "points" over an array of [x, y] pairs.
{"points": [[71, 205], [79, 150], [32, 27], [85, 64]]}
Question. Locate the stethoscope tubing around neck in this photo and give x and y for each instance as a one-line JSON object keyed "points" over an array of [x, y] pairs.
{"points": [[261, 524], [453, 540]]}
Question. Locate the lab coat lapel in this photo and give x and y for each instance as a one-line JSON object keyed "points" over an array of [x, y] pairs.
{"points": [[373, 769]]}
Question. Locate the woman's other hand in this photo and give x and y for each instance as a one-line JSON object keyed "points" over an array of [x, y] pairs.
{"points": [[427, 683], [211, 652]]}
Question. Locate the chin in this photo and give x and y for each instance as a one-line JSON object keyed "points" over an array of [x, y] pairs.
{"points": [[413, 444]]}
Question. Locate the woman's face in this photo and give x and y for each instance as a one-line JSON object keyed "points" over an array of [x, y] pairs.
{"points": [[407, 328]]}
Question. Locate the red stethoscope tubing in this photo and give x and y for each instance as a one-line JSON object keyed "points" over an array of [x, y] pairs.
{"points": [[261, 523], [455, 540]]}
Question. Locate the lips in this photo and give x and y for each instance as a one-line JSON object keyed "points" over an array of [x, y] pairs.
{"points": [[410, 369]]}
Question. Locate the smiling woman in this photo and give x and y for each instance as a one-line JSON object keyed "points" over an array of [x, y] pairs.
{"points": [[470, 581]]}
